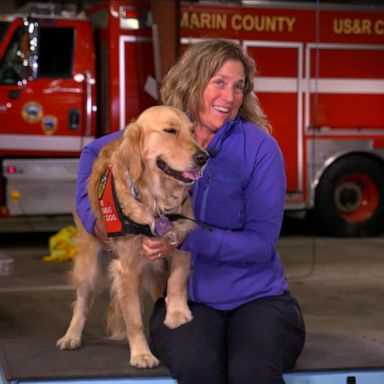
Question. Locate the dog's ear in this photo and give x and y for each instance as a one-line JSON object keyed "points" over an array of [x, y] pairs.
{"points": [[129, 151]]}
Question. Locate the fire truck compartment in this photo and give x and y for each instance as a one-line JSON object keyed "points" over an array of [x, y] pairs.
{"points": [[40, 186]]}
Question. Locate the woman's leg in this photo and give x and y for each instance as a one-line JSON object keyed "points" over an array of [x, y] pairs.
{"points": [[265, 337], [194, 352]]}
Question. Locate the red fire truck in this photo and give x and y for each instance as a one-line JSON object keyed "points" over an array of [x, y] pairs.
{"points": [[66, 78]]}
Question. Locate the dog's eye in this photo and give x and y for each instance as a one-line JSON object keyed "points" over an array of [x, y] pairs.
{"points": [[172, 131]]}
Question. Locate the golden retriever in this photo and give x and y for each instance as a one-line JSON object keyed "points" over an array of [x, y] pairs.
{"points": [[151, 167]]}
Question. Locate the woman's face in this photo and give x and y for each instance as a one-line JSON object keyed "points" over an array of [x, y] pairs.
{"points": [[223, 95]]}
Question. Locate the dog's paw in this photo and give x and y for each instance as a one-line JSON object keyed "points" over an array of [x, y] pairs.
{"points": [[145, 360], [175, 319], [68, 343]]}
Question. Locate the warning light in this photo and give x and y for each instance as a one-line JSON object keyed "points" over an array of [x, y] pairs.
{"points": [[11, 169], [130, 13]]}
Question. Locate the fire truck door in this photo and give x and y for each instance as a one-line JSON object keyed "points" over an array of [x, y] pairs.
{"points": [[40, 101], [279, 88]]}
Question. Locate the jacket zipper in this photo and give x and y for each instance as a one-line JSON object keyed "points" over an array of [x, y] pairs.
{"points": [[192, 286], [204, 199]]}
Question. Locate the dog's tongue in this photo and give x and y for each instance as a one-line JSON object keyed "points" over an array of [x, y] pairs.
{"points": [[192, 175]]}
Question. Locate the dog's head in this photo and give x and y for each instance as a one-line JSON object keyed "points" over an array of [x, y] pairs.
{"points": [[160, 143]]}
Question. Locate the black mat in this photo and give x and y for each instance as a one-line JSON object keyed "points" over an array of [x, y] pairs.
{"points": [[40, 359]]}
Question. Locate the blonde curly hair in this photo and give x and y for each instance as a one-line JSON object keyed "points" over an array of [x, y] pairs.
{"points": [[184, 84]]}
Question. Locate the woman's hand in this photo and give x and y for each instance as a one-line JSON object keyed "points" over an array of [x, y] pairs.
{"points": [[155, 248], [101, 232]]}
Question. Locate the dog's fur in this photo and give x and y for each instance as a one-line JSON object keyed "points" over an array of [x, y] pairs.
{"points": [[159, 133]]}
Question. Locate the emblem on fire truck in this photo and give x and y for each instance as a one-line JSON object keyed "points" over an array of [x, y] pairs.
{"points": [[32, 112], [49, 124]]}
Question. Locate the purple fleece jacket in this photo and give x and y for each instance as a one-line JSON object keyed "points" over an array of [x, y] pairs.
{"points": [[241, 198]]}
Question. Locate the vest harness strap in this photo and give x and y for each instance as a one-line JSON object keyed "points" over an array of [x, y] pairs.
{"points": [[118, 224]]}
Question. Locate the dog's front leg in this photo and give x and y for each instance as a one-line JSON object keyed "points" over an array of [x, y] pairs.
{"points": [[72, 338], [178, 312], [127, 286], [88, 276]]}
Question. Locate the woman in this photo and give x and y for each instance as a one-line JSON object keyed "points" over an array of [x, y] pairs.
{"points": [[247, 328]]}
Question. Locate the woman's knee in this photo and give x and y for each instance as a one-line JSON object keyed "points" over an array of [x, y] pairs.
{"points": [[199, 370], [250, 372], [194, 352]]}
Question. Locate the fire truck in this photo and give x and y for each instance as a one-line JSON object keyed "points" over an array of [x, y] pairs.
{"points": [[70, 77]]}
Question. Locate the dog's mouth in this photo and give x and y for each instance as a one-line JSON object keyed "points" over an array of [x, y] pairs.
{"points": [[187, 177]]}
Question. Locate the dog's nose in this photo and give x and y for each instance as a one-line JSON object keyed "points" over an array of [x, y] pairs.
{"points": [[200, 158]]}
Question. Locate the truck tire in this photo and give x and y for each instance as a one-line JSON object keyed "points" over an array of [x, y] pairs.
{"points": [[349, 199]]}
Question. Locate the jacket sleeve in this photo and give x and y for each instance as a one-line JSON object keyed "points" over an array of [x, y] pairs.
{"points": [[87, 158], [264, 197], [83, 206]]}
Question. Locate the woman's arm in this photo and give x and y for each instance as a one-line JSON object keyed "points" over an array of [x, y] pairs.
{"points": [[87, 158]]}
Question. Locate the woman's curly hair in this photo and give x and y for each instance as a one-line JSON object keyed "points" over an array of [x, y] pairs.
{"points": [[184, 84]]}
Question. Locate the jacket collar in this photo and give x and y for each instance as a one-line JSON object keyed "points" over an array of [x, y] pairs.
{"points": [[216, 143]]}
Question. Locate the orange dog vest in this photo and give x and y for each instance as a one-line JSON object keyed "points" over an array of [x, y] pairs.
{"points": [[109, 207]]}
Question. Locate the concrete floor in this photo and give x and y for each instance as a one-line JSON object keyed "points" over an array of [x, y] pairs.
{"points": [[338, 282]]}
